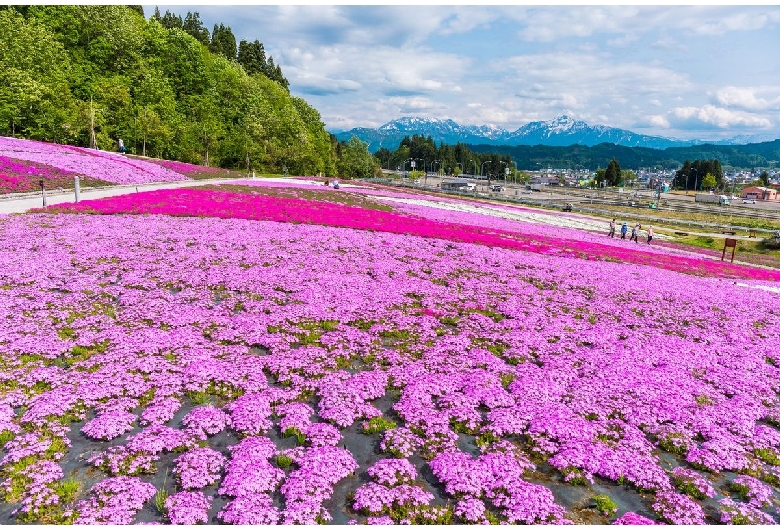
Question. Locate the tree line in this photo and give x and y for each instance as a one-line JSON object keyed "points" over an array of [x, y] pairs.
{"points": [[250, 55], [529, 157], [446, 159], [88, 75]]}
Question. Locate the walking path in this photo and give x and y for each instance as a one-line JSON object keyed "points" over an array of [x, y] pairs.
{"points": [[19, 203]]}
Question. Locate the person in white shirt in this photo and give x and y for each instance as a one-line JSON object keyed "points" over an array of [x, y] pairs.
{"points": [[649, 234]]}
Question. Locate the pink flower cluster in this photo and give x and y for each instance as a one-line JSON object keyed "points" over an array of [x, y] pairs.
{"points": [[631, 518], [496, 477], [675, 508], [102, 165], [691, 482], [114, 501], [160, 411], [109, 425], [205, 421], [306, 488], [742, 513], [757, 493], [393, 471], [199, 467], [188, 507], [249, 470]]}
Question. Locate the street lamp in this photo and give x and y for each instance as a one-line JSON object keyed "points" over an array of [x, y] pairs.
{"points": [[475, 167], [480, 171], [696, 181], [426, 173]]}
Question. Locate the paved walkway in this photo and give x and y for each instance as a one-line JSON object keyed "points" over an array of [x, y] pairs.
{"points": [[19, 203]]}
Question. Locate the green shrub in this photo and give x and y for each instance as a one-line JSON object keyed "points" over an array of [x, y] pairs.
{"points": [[283, 461], [605, 505]]}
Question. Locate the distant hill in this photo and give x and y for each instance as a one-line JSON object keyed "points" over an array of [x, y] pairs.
{"points": [[764, 154], [561, 131]]}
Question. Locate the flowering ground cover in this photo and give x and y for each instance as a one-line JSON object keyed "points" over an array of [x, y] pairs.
{"points": [[68, 161], [19, 176], [258, 359], [275, 206], [192, 171]]}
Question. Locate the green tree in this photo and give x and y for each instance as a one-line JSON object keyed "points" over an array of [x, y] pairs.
{"points": [[764, 178], [356, 161], [612, 173], [251, 55], [628, 177], [709, 181], [193, 25], [169, 20], [223, 41], [35, 99]]}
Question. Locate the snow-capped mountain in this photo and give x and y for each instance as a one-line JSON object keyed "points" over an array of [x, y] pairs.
{"points": [[561, 131]]}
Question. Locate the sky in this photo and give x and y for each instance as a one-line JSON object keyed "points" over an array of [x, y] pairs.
{"points": [[704, 72]]}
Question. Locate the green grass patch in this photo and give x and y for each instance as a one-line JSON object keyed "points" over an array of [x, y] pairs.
{"points": [[378, 424]]}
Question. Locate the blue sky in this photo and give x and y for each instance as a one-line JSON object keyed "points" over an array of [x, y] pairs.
{"points": [[697, 71]]}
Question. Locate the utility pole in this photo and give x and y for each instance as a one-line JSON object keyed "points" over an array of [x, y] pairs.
{"points": [[92, 139]]}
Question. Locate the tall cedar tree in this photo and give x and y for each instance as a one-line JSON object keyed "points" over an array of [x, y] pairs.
{"points": [[223, 41]]}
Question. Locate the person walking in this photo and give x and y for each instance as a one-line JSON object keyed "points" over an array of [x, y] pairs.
{"points": [[635, 233], [623, 230], [122, 148], [649, 234], [612, 228]]}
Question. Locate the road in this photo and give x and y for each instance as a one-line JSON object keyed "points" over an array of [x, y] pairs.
{"points": [[21, 202]]}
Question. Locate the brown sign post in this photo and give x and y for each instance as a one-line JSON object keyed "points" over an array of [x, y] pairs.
{"points": [[729, 243]]}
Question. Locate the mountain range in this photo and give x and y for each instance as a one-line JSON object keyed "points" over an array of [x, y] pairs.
{"points": [[561, 131]]}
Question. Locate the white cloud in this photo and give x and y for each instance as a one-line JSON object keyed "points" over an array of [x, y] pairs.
{"points": [[657, 120], [719, 117], [413, 104], [745, 98]]}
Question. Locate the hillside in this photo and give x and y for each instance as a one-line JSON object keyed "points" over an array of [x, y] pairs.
{"points": [[66, 71]]}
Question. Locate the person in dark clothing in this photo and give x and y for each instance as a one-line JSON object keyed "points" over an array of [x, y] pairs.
{"points": [[635, 233], [623, 230]]}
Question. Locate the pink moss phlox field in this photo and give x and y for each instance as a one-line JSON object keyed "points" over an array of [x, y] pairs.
{"points": [[230, 341], [18, 176], [223, 204], [103, 165]]}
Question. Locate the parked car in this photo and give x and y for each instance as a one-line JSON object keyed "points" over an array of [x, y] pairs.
{"points": [[496, 188], [748, 201]]}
